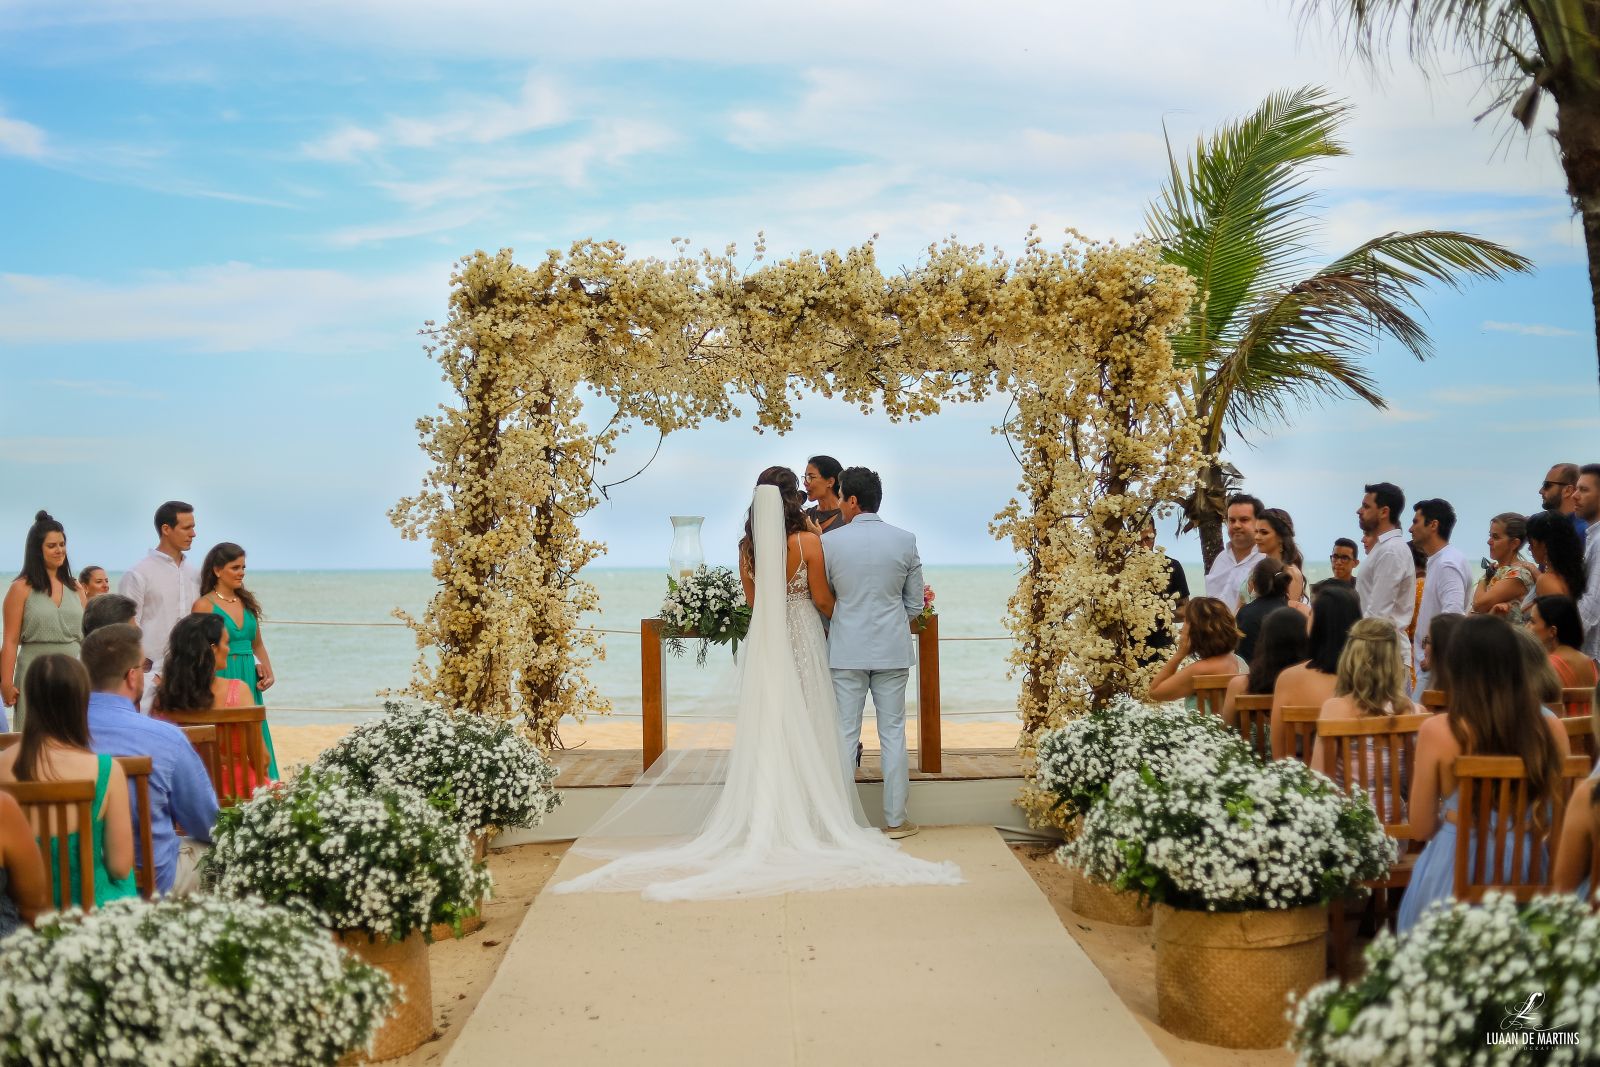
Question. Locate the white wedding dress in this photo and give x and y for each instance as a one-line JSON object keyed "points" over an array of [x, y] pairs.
{"points": [[773, 814]]}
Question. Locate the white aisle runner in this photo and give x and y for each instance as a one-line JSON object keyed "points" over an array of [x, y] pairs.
{"points": [[981, 974]]}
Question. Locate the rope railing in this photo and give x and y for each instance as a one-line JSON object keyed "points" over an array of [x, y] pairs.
{"points": [[585, 629]]}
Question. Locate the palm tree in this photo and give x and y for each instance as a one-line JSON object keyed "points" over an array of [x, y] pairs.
{"points": [[1269, 331], [1525, 48]]}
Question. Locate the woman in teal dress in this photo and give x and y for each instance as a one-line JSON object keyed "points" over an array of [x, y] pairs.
{"points": [[55, 748], [43, 612], [222, 591]]}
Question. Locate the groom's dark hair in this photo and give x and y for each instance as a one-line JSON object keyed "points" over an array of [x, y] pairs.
{"points": [[862, 484]]}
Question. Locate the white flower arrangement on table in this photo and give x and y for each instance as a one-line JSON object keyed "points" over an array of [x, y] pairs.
{"points": [[1222, 831], [205, 980], [708, 604], [1462, 976], [481, 771], [383, 860]]}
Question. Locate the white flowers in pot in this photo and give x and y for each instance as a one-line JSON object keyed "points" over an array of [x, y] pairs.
{"points": [[709, 604], [182, 982], [1495, 983]]}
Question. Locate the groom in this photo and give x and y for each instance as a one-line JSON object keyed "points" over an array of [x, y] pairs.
{"points": [[877, 579]]}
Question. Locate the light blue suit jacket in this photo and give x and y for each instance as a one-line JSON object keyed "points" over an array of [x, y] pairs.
{"points": [[877, 580]]}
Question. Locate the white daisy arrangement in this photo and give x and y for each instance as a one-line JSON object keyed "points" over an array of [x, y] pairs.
{"points": [[204, 980], [1496, 983], [382, 860], [1077, 762], [481, 771], [1218, 830], [708, 604]]}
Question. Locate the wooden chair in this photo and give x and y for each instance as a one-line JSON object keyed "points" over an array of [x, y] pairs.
{"points": [[138, 768], [203, 739], [7, 740], [1580, 733], [1435, 699], [1255, 721], [1578, 701], [49, 807], [241, 756], [1494, 807], [1378, 754], [1300, 726], [1209, 689]]}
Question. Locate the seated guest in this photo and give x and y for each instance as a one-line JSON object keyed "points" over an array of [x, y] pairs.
{"points": [[1557, 551], [181, 793], [106, 610], [24, 887], [55, 747], [197, 654], [1371, 680], [1436, 648], [1311, 683], [1575, 850], [1206, 646], [1554, 622], [1494, 711], [1542, 677], [1269, 582], [1282, 644]]}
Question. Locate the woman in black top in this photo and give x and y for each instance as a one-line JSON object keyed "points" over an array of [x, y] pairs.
{"points": [[822, 489], [1270, 583]]}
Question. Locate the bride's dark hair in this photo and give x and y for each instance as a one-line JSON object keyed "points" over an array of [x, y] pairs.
{"points": [[794, 518]]}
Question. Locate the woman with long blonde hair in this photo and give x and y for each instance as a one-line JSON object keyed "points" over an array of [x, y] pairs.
{"points": [[1371, 680]]}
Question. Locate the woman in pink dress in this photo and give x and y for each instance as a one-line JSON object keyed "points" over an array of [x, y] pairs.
{"points": [[197, 654], [1554, 620]]}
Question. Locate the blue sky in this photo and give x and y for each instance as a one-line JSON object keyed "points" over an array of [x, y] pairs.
{"points": [[224, 224]]}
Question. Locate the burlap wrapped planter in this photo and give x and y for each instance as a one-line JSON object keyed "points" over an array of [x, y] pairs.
{"points": [[406, 964], [442, 931], [1225, 978], [1100, 903]]}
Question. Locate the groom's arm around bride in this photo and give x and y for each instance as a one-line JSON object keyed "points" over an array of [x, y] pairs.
{"points": [[877, 579]]}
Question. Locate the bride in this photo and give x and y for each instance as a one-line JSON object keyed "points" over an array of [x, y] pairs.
{"points": [[774, 814]]}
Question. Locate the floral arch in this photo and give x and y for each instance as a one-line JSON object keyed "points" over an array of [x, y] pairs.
{"points": [[1077, 336]]}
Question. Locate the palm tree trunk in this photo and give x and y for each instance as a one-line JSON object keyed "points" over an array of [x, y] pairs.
{"points": [[1208, 508], [1578, 134]]}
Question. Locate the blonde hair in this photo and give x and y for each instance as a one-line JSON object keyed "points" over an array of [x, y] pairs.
{"points": [[1371, 672]]}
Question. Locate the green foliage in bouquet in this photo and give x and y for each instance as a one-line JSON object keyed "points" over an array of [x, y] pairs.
{"points": [[709, 605]]}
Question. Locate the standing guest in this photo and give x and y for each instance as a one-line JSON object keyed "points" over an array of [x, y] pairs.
{"points": [[1275, 540], [1419, 567], [1388, 583], [1311, 683], [1553, 620], [1371, 680], [1283, 643], [1206, 646], [93, 582], [55, 747], [1493, 712], [106, 610], [222, 592], [181, 793], [197, 679], [1447, 581], [1231, 569], [822, 490], [24, 887], [42, 612], [1435, 651], [1559, 493], [1368, 541], [1344, 559], [1587, 504], [163, 584], [1507, 589], [1269, 587], [1176, 591], [1558, 553]]}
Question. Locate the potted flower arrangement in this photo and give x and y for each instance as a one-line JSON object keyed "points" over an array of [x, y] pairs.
{"points": [[1495, 983], [1241, 859], [377, 866], [480, 771], [1077, 762], [200, 980], [709, 605]]}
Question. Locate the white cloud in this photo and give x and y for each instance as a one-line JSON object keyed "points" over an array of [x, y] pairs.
{"points": [[343, 145], [19, 138], [1530, 329]]}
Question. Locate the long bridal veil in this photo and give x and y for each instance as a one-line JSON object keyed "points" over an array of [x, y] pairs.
{"points": [[773, 814]]}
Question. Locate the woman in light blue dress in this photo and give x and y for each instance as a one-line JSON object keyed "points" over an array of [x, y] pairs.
{"points": [[1494, 711]]}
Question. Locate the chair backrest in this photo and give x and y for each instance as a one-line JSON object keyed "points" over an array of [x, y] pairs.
{"points": [[1377, 753], [1300, 727], [240, 752], [1255, 721], [49, 807], [1435, 699], [1580, 732], [203, 739], [1577, 701], [7, 740], [1497, 846], [1209, 689], [138, 768]]}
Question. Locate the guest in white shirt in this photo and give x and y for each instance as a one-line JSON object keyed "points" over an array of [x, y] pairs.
{"points": [[1231, 569], [163, 586], [1587, 507], [1447, 588], [1387, 582]]}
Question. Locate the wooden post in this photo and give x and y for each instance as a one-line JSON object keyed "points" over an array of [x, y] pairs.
{"points": [[930, 754], [652, 689]]}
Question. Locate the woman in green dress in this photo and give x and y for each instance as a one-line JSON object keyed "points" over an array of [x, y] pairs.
{"points": [[222, 592], [42, 612], [55, 748]]}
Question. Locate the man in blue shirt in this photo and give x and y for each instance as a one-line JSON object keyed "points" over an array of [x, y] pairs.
{"points": [[180, 790]]}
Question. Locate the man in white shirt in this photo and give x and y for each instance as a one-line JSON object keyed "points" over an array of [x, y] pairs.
{"points": [[1586, 503], [1447, 588], [1387, 582], [163, 586], [1231, 569]]}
